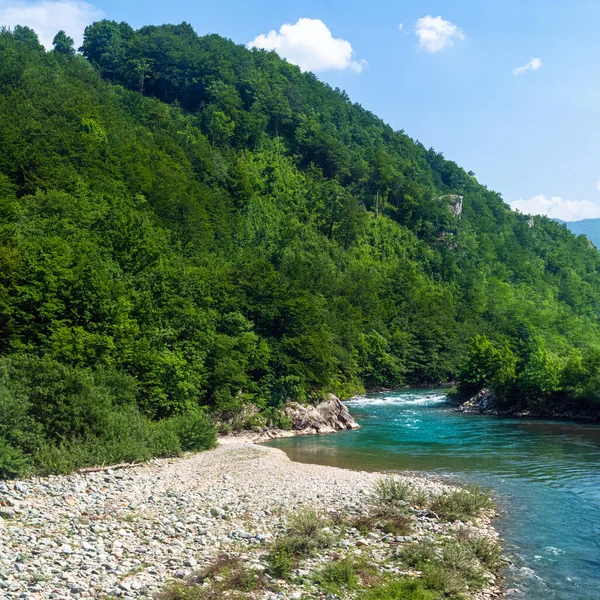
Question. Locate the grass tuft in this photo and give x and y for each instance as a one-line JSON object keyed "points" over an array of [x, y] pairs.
{"points": [[307, 532], [338, 576], [390, 490], [462, 504]]}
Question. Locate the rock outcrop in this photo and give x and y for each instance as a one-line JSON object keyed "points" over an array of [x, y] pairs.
{"points": [[483, 402], [326, 417]]}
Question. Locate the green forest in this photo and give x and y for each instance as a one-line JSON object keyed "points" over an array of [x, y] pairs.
{"points": [[188, 226]]}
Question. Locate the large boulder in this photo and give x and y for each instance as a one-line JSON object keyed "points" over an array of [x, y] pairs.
{"points": [[328, 416]]}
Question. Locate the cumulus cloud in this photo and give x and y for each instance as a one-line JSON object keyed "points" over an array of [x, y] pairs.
{"points": [[310, 45], [558, 208], [47, 17], [435, 33], [533, 64]]}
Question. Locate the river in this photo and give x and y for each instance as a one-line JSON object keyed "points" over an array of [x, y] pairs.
{"points": [[544, 475]]}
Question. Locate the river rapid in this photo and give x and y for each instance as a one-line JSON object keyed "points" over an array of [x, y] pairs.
{"points": [[544, 475]]}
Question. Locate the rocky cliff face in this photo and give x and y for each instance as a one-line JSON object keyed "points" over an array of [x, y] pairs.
{"points": [[326, 417]]}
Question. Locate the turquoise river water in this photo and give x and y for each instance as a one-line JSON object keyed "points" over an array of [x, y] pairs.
{"points": [[544, 475]]}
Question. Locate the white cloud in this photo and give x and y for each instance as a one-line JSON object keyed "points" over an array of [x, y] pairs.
{"points": [[435, 33], [598, 185], [558, 208], [401, 27], [534, 64], [47, 17], [310, 45]]}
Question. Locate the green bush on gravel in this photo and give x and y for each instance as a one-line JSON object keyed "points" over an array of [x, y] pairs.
{"points": [[454, 567], [462, 504], [337, 576], [402, 589], [307, 532]]}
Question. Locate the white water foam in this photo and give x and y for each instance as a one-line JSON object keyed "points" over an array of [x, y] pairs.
{"points": [[408, 400]]}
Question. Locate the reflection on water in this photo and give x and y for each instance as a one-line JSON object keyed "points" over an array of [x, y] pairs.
{"points": [[545, 475]]}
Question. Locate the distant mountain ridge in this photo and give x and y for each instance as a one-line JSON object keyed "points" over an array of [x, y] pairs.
{"points": [[588, 227]]}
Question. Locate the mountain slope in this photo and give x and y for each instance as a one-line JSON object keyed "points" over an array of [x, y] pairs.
{"points": [[588, 227], [186, 223]]}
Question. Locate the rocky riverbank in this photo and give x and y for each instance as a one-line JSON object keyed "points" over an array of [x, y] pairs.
{"points": [[127, 533], [485, 402], [328, 416]]}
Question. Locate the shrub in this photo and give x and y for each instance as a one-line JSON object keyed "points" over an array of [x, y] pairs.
{"points": [[307, 531], [392, 519], [392, 491], [55, 418], [12, 462], [437, 578], [462, 504], [195, 430], [226, 576], [163, 439], [338, 575], [281, 559], [416, 555], [402, 589], [307, 523], [487, 551], [459, 558]]}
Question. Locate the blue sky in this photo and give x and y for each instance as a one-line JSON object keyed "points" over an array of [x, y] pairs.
{"points": [[533, 135]]}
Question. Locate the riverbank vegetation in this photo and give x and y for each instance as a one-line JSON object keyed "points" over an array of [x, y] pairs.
{"points": [[315, 555], [187, 225]]}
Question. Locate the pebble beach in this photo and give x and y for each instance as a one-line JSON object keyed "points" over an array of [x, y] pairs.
{"points": [[127, 533]]}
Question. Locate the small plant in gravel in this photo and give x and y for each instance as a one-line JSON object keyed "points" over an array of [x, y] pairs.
{"points": [[227, 576], [487, 550], [390, 511], [416, 554], [393, 519], [390, 490], [308, 523], [364, 523], [460, 559], [421, 498], [462, 504], [444, 582], [337, 576], [281, 559], [307, 531], [400, 589]]}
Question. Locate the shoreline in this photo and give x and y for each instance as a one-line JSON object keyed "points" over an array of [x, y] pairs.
{"points": [[483, 403], [127, 533]]}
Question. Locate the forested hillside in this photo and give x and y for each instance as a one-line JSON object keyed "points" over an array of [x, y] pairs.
{"points": [[185, 223]]}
